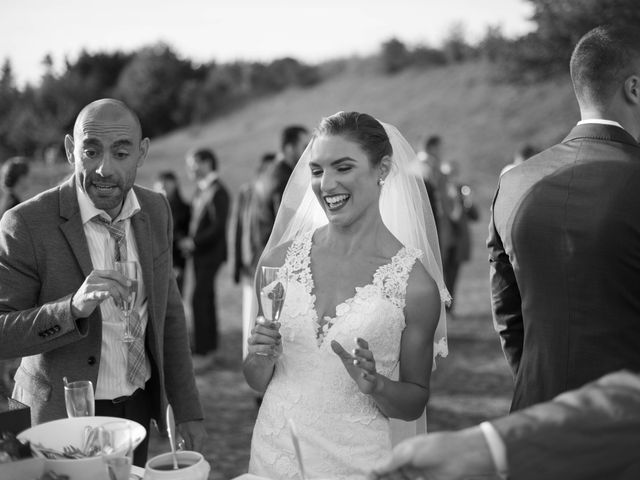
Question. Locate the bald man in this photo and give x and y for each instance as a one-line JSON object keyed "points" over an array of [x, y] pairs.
{"points": [[59, 291]]}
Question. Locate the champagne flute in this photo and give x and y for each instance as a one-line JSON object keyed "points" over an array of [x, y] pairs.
{"points": [[273, 290], [117, 448], [79, 398], [128, 269]]}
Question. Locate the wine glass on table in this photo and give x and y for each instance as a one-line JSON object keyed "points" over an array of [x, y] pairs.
{"points": [[129, 270], [273, 290], [117, 445], [79, 398]]}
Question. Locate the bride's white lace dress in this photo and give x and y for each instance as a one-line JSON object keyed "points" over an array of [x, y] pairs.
{"points": [[342, 432]]}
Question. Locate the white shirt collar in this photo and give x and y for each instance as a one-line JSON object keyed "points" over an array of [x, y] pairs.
{"points": [[600, 121], [211, 177], [88, 210]]}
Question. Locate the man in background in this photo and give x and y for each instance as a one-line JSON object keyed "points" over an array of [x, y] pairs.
{"points": [[267, 194], [463, 211], [206, 245]]}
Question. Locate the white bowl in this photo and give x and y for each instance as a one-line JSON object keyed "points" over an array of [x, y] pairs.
{"points": [[58, 434]]}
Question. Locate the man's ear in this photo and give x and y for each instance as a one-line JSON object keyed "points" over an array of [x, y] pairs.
{"points": [[632, 89], [68, 147], [144, 150]]}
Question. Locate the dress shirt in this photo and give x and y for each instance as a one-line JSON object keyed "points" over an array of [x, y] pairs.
{"points": [[497, 449], [198, 203], [600, 121], [112, 376]]}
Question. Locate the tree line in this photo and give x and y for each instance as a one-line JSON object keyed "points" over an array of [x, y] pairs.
{"points": [[169, 92]]}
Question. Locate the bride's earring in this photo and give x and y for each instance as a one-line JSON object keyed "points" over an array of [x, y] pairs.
{"points": [[381, 181]]}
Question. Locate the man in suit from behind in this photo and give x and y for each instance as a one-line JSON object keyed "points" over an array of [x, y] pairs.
{"points": [[591, 433], [564, 238], [59, 290], [207, 246]]}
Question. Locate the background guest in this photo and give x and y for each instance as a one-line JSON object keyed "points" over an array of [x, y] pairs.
{"points": [[206, 245], [267, 195], [522, 154], [167, 183], [244, 259], [14, 182], [463, 210]]}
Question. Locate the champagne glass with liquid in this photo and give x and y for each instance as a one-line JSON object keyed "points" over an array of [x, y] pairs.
{"points": [[128, 269], [273, 289], [79, 398]]}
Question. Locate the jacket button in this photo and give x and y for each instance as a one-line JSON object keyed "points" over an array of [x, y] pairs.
{"points": [[91, 360]]}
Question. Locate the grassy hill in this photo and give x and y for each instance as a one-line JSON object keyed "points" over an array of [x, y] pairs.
{"points": [[481, 122]]}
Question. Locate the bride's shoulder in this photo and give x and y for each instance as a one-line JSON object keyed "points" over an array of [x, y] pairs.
{"points": [[421, 287]]}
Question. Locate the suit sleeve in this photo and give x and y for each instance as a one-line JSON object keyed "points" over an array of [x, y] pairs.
{"points": [[217, 212], [27, 328], [237, 229], [593, 432], [506, 305]]}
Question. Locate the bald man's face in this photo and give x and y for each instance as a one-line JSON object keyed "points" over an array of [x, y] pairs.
{"points": [[106, 151]]}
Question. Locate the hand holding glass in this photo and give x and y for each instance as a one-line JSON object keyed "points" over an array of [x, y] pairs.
{"points": [[129, 270], [273, 290], [79, 399]]}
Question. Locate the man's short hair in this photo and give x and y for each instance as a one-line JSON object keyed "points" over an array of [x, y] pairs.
{"points": [[167, 175], [13, 170], [603, 58], [206, 155], [432, 141], [291, 135]]}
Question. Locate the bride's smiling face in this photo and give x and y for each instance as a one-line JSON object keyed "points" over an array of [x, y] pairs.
{"points": [[343, 179]]}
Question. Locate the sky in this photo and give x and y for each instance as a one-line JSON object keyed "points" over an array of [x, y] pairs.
{"points": [[227, 30]]}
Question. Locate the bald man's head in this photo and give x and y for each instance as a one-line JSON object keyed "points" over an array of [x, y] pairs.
{"points": [[106, 150], [110, 109]]}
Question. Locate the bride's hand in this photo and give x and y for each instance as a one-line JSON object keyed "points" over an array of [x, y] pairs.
{"points": [[361, 365], [265, 339]]}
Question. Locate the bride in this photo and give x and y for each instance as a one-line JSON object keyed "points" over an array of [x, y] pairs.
{"points": [[363, 316]]}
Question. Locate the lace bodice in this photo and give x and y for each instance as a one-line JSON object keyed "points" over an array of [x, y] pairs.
{"points": [[342, 432]]}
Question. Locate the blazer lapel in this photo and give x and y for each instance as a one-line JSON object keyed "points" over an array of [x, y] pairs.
{"points": [[72, 229], [142, 234]]}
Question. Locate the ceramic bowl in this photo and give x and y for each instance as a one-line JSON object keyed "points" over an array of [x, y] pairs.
{"points": [[70, 431]]}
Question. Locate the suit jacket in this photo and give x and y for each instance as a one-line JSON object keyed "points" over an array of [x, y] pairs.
{"points": [[564, 243], [181, 213], [589, 434], [242, 249], [209, 224], [44, 258], [8, 200]]}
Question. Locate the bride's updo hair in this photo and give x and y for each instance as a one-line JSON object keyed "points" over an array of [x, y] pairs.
{"points": [[360, 128]]}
